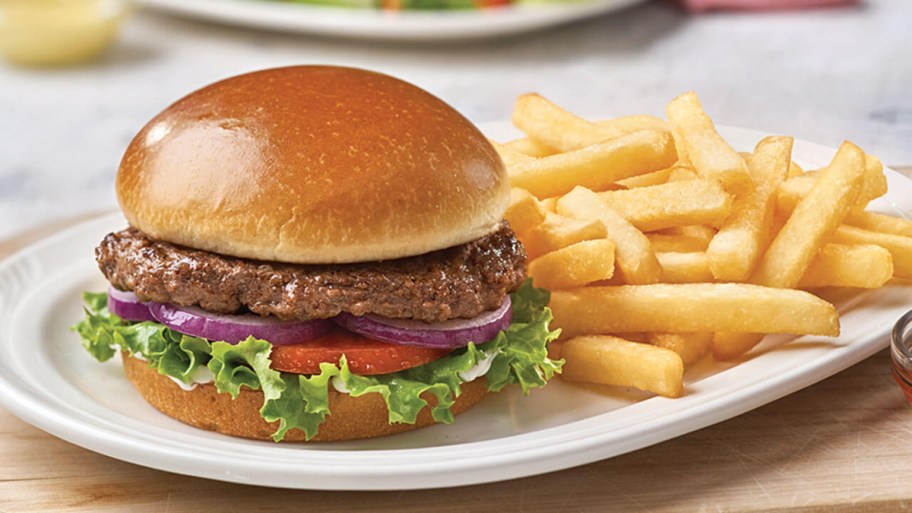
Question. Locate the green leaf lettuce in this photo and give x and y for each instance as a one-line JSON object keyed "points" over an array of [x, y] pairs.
{"points": [[517, 355]]}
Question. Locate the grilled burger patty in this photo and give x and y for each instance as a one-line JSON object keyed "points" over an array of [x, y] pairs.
{"points": [[458, 282]]}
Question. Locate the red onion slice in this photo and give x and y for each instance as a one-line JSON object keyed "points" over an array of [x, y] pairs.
{"points": [[236, 328], [448, 334], [127, 306]]}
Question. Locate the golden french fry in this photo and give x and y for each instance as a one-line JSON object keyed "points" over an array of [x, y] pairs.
{"points": [[689, 346], [575, 265], [635, 123], [731, 346], [734, 251], [554, 349], [865, 266], [792, 190], [815, 218], [682, 239], [662, 243], [635, 258], [697, 231], [524, 212], [692, 308], [529, 147], [680, 173], [900, 247], [550, 204], [687, 267], [709, 154], [615, 361], [656, 207], [875, 182], [557, 232], [554, 127], [640, 338], [509, 157], [597, 166], [879, 223], [873, 186], [654, 178]]}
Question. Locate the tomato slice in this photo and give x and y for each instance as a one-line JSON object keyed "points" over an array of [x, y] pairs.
{"points": [[365, 356]]}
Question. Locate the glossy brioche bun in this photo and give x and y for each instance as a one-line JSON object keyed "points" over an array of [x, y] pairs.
{"points": [[312, 164], [351, 418]]}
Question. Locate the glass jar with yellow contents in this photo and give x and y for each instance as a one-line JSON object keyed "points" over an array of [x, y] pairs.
{"points": [[57, 32]]}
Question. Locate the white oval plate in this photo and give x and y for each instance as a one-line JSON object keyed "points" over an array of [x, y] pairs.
{"points": [[47, 379], [396, 26]]}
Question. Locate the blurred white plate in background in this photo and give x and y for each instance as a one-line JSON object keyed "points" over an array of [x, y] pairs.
{"points": [[389, 25]]}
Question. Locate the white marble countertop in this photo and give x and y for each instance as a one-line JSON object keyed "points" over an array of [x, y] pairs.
{"points": [[821, 75]]}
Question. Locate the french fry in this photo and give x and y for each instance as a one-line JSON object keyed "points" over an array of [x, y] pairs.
{"points": [[815, 218], [734, 251], [578, 264], [680, 173], [529, 147], [689, 346], [874, 186], [554, 349], [713, 217], [681, 239], [510, 157], [689, 267], [692, 308], [635, 123], [698, 231], [900, 247], [615, 361], [633, 253], [549, 204], [875, 182], [879, 223], [663, 243], [792, 190], [557, 232], [524, 212], [639, 338], [654, 178], [865, 266], [597, 166], [705, 149], [731, 346], [684, 203], [552, 126]]}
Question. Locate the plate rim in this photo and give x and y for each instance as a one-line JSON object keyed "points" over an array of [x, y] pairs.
{"points": [[565, 451]]}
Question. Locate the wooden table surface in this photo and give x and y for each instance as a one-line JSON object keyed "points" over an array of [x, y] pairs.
{"points": [[840, 445]]}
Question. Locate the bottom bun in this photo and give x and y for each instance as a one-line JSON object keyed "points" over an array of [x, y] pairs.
{"points": [[352, 417]]}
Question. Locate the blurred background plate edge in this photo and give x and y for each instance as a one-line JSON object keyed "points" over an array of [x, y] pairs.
{"points": [[448, 25]]}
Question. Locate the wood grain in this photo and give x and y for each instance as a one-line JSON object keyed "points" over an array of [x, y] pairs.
{"points": [[840, 445]]}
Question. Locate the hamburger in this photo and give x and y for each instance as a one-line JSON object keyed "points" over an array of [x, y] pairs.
{"points": [[315, 253]]}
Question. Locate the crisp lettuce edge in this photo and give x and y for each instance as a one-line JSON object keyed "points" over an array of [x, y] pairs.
{"points": [[520, 356]]}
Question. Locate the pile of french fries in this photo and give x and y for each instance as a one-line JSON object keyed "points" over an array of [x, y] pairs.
{"points": [[661, 243]]}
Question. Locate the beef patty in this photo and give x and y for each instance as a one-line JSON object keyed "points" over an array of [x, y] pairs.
{"points": [[462, 281]]}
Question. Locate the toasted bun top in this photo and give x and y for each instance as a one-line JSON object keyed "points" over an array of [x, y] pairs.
{"points": [[312, 164]]}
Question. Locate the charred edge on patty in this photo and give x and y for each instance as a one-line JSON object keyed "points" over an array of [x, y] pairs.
{"points": [[458, 282]]}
